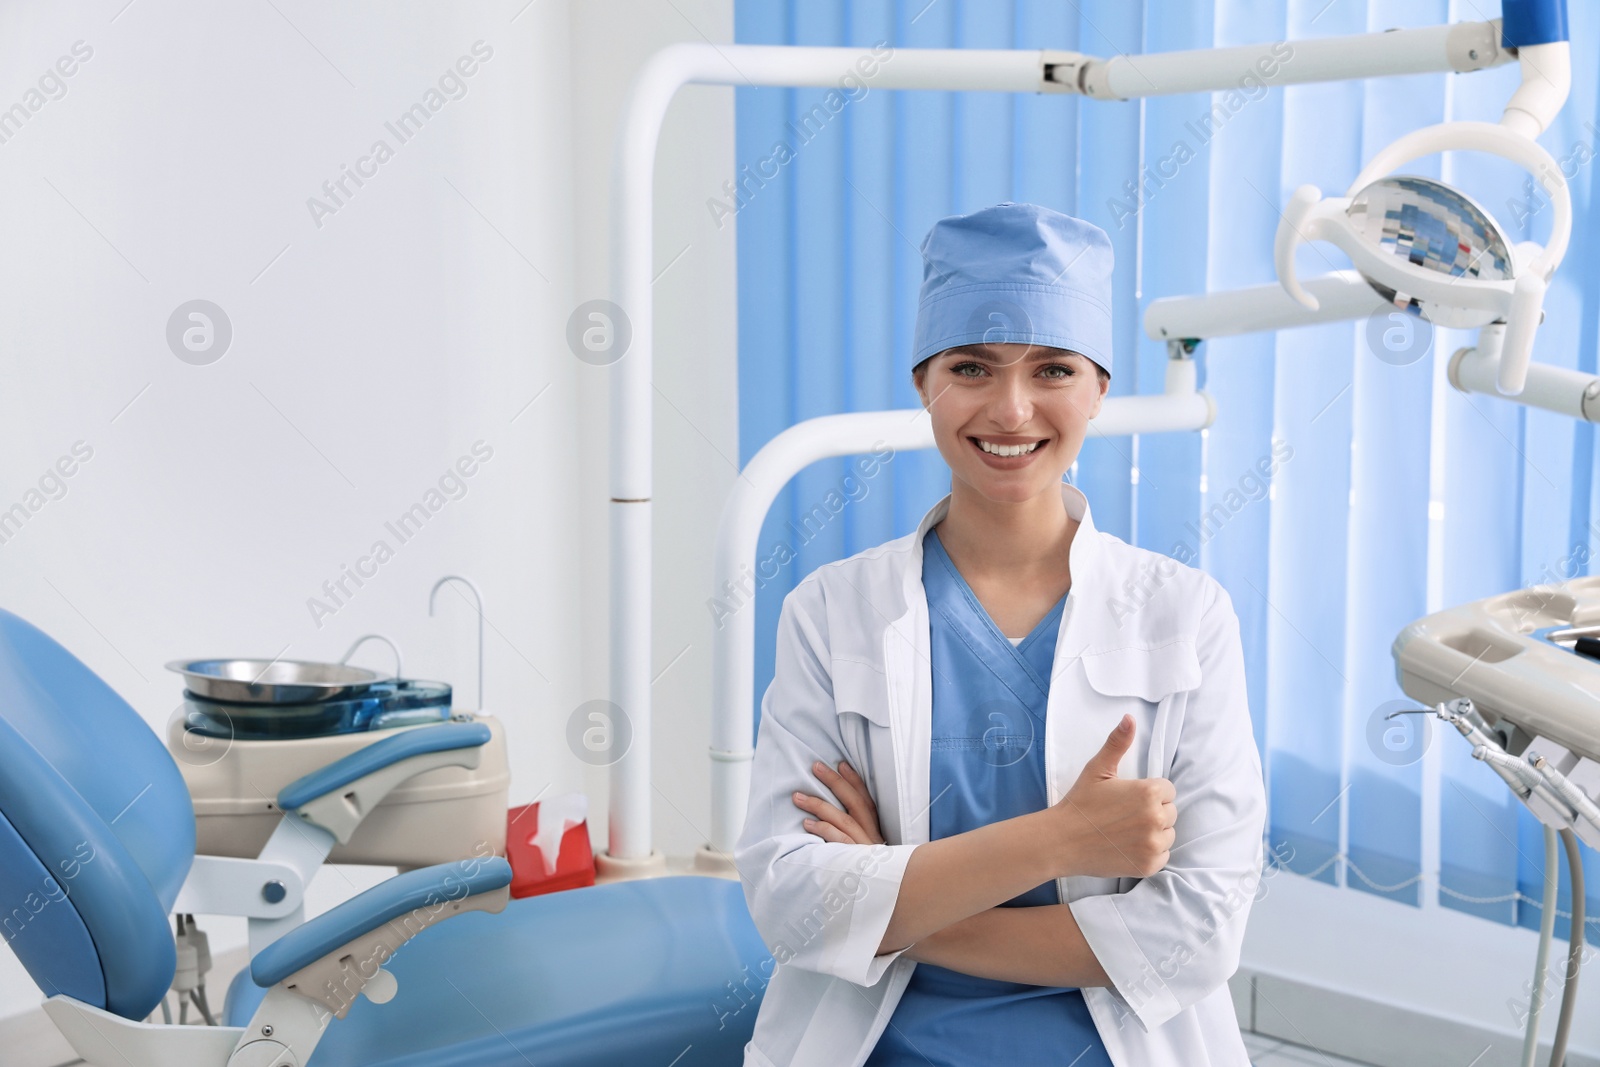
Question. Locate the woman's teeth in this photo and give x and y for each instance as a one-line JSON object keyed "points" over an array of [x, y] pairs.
{"points": [[1007, 450]]}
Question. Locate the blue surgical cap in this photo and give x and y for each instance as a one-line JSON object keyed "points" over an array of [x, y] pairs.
{"points": [[1015, 272]]}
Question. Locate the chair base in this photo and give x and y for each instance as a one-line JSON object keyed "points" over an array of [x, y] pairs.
{"points": [[99, 1037]]}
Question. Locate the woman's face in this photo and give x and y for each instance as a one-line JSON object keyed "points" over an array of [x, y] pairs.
{"points": [[1010, 394]]}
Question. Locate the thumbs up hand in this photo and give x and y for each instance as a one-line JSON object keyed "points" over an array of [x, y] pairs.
{"points": [[1115, 827]]}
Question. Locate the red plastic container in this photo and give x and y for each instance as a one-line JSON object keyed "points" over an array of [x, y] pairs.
{"points": [[574, 864]]}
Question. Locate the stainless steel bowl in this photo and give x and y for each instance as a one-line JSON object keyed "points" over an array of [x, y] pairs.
{"points": [[268, 681]]}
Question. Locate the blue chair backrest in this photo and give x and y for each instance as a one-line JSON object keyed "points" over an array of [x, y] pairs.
{"points": [[96, 830]]}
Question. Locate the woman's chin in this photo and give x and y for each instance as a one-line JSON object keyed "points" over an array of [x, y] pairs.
{"points": [[1010, 487]]}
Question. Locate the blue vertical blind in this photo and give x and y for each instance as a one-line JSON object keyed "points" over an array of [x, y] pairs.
{"points": [[1345, 488]]}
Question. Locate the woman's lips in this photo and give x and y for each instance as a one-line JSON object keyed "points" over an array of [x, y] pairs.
{"points": [[1007, 463]]}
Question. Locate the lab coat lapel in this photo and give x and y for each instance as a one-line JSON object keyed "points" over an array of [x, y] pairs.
{"points": [[908, 665], [1086, 613], [1069, 732]]}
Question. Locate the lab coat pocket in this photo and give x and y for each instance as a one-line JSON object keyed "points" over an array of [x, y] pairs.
{"points": [[1148, 684], [860, 688]]}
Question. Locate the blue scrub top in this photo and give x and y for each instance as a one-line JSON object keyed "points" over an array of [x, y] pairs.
{"points": [[986, 764]]}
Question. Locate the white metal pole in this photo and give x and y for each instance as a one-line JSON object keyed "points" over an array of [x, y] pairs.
{"points": [[1567, 392], [1341, 295], [734, 641], [1459, 47]]}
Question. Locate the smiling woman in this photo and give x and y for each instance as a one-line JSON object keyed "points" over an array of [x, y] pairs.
{"points": [[1018, 764]]}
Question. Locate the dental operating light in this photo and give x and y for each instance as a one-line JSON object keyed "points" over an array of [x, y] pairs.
{"points": [[1404, 233], [1428, 249], [1425, 248]]}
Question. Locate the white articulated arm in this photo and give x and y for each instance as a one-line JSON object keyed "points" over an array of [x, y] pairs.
{"points": [[254, 889]]}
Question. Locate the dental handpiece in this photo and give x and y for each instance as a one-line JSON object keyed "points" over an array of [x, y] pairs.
{"points": [[1576, 800], [1518, 776]]}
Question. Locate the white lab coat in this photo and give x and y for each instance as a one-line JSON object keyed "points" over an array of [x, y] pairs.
{"points": [[1140, 633]]}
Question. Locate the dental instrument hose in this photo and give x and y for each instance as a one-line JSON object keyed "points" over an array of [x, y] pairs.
{"points": [[1460, 714], [1575, 941], [1547, 931]]}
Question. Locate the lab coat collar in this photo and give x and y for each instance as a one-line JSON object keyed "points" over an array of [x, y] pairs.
{"points": [[1087, 613]]}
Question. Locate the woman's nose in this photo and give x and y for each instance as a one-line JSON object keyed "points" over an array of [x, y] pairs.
{"points": [[1013, 408]]}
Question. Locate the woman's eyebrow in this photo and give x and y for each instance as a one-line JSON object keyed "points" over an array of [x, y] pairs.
{"points": [[1039, 355]]}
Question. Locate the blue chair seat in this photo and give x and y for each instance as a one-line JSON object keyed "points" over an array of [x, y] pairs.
{"points": [[645, 971]]}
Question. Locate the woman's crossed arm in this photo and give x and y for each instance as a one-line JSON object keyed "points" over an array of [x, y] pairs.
{"points": [[947, 905]]}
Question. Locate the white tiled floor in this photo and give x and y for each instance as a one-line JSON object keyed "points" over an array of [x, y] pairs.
{"points": [[1270, 1052]]}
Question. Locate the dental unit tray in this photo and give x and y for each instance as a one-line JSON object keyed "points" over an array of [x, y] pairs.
{"points": [[380, 706], [1506, 672], [267, 681]]}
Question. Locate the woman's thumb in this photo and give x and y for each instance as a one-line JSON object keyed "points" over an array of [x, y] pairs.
{"points": [[1105, 761]]}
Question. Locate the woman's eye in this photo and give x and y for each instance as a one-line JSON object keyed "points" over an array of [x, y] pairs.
{"points": [[959, 368], [1067, 371]]}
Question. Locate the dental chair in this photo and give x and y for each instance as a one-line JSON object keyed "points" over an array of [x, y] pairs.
{"points": [[437, 966]]}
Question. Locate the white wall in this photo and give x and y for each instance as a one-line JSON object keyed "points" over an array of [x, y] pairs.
{"points": [[368, 353]]}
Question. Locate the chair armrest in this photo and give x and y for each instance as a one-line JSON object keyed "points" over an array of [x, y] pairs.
{"points": [[337, 797], [442, 891], [375, 757], [319, 969]]}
